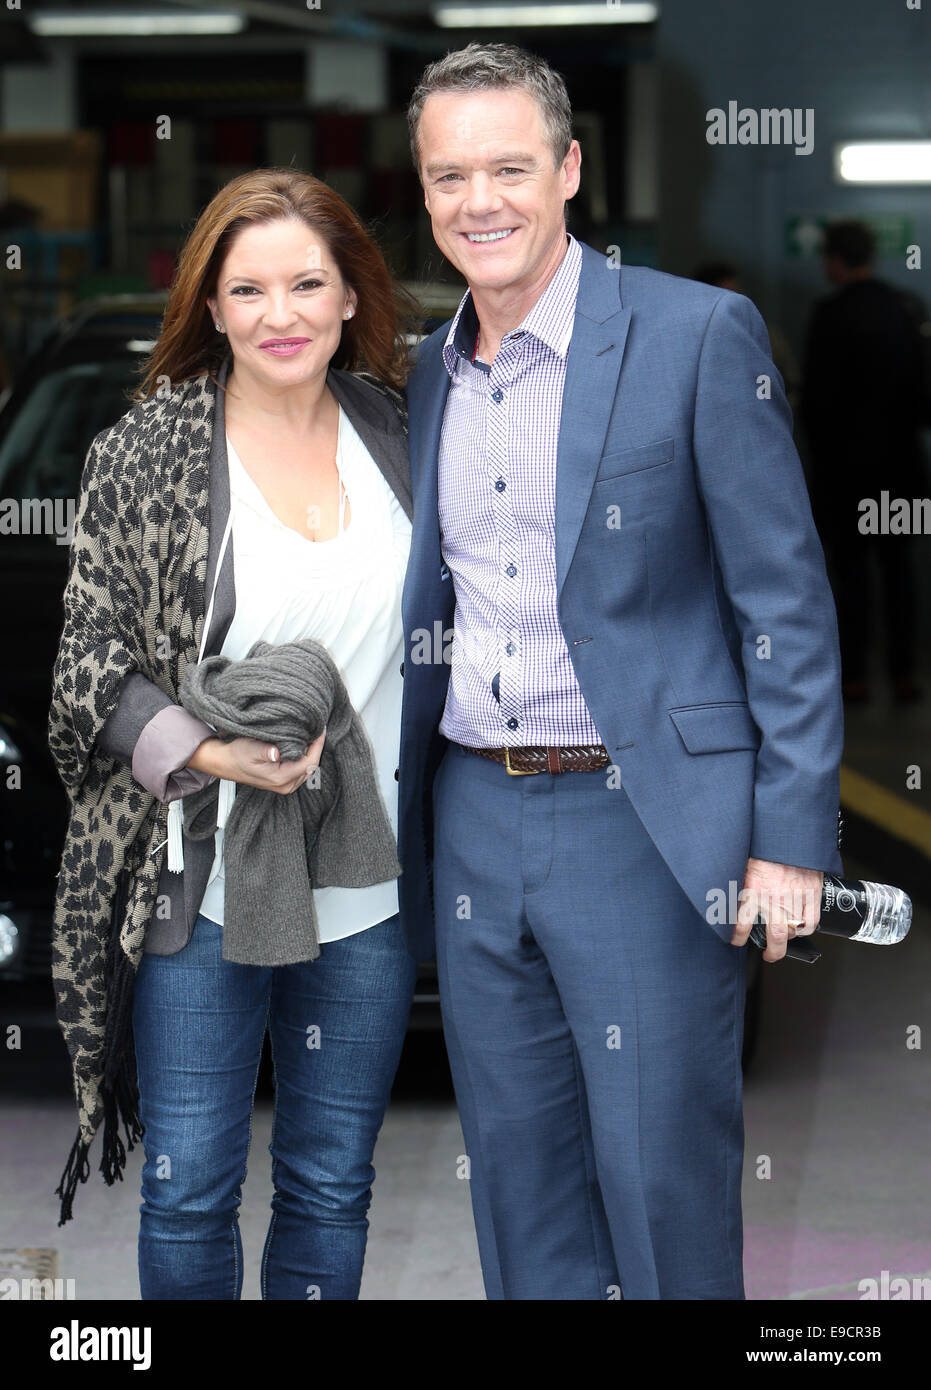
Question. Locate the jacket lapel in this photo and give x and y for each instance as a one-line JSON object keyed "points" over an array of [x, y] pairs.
{"points": [[596, 350], [375, 421], [224, 604], [427, 391]]}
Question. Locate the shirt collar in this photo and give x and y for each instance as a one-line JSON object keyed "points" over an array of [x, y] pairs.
{"points": [[550, 320]]}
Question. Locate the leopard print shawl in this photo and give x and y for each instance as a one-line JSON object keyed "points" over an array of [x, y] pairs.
{"points": [[134, 601]]}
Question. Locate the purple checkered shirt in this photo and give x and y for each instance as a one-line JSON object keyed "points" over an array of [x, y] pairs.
{"points": [[511, 682]]}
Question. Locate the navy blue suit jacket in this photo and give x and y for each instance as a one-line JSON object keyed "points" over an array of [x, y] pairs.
{"points": [[701, 628]]}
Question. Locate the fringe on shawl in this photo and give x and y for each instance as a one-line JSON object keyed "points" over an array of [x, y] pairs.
{"points": [[119, 1091]]}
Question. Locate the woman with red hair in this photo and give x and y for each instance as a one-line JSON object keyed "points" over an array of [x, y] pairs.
{"points": [[257, 492]]}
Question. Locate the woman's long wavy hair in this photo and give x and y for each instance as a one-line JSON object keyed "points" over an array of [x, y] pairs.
{"points": [[189, 345]]}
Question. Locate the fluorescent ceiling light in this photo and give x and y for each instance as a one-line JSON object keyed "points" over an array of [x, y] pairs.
{"points": [[883, 161], [59, 24], [507, 16]]}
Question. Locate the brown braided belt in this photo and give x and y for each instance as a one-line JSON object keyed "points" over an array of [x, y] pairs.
{"points": [[577, 757]]}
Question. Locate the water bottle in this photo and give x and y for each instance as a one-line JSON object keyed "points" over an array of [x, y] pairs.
{"points": [[854, 908]]}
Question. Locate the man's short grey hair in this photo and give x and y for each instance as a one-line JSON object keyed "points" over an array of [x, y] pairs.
{"points": [[480, 67]]}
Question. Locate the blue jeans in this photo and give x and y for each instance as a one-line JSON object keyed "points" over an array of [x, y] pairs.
{"points": [[337, 1027]]}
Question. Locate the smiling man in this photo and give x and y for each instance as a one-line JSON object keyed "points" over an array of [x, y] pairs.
{"points": [[642, 709]]}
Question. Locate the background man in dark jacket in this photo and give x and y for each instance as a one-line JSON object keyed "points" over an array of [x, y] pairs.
{"points": [[862, 405]]}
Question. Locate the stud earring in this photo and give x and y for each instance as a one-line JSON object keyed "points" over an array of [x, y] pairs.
{"points": [[219, 328], [348, 314]]}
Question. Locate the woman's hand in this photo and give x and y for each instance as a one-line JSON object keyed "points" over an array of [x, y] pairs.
{"points": [[256, 764]]}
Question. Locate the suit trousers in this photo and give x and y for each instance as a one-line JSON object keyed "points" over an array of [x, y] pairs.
{"points": [[594, 1025]]}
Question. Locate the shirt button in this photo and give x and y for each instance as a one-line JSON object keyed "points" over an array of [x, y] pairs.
{"points": [[497, 394], [510, 649], [500, 485], [512, 723], [511, 570], [402, 668], [397, 774]]}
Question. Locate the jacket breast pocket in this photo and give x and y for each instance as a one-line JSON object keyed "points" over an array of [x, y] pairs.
{"points": [[616, 465], [716, 728]]}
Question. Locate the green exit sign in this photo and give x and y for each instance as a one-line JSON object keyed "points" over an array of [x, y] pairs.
{"points": [[894, 232]]}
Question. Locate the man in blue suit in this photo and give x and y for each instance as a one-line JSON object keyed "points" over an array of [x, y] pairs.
{"points": [[632, 742]]}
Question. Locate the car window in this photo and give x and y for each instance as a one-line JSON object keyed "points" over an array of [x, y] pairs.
{"points": [[43, 452]]}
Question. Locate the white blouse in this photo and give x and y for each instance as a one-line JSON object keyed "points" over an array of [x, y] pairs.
{"points": [[345, 593]]}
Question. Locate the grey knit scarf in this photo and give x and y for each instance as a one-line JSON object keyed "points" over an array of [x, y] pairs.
{"points": [[332, 831]]}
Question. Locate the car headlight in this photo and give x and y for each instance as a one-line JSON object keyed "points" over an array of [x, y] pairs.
{"points": [[9, 938], [9, 750]]}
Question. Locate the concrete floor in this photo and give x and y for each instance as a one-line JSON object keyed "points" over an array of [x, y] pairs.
{"points": [[834, 1098]]}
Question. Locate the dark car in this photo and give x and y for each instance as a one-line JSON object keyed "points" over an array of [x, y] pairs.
{"points": [[72, 387]]}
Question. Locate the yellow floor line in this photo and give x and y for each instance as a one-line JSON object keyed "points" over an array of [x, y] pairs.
{"points": [[886, 809]]}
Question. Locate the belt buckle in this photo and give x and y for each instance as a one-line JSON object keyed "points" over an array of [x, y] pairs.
{"points": [[517, 771]]}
